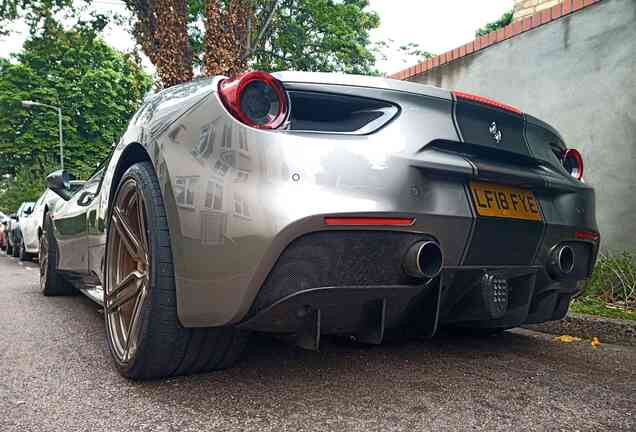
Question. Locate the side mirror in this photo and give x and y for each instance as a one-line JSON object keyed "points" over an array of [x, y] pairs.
{"points": [[60, 182]]}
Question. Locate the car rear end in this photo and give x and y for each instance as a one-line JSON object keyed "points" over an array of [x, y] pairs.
{"points": [[402, 205]]}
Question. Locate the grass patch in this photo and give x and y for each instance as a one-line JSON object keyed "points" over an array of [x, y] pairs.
{"points": [[595, 306], [611, 290]]}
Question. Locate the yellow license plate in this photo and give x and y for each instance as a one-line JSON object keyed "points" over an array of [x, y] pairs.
{"points": [[504, 201]]}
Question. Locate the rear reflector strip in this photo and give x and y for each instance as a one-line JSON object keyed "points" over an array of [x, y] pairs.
{"points": [[587, 235], [368, 221], [486, 101]]}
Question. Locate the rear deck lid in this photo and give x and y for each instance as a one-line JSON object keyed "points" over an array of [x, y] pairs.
{"points": [[488, 123]]}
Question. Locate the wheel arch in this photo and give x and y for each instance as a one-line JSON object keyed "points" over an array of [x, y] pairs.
{"points": [[45, 213], [132, 154]]}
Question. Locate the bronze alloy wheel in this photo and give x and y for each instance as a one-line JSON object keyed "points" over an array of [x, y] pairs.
{"points": [[127, 272]]}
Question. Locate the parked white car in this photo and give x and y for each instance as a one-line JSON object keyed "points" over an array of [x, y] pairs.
{"points": [[31, 226]]}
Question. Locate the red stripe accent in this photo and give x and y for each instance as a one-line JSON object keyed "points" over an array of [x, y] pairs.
{"points": [[486, 101], [587, 235], [368, 221]]}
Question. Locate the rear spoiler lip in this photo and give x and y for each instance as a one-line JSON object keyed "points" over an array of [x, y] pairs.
{"points": [[538, 122]]}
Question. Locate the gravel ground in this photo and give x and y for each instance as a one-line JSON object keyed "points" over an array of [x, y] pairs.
{"points": [[610, 330], [56, 375]]}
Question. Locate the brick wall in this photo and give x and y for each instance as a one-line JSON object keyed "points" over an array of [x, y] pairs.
{"points": [[524, 8]]}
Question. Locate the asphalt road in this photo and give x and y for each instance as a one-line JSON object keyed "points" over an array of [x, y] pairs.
{"points": [[56, 375]]}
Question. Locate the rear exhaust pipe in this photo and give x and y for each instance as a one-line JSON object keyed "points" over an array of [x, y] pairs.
{"points": [[561, 262], [424, 260]]}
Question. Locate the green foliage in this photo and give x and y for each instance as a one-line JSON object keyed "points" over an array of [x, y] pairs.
{"points": [[97, 87], [319, 35], [27, 185], [410, 53], [305, 35], [505, 19], [613, 280], [33, 12], [594, 306]]}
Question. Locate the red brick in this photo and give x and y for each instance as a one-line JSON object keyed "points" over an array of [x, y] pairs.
{"points": [[588, 2], [485, 41], [442, 59], [412, 71], [545, 16], [462, 51], [527, 23], [536, 19], [555, 11], [507, 31], [435, 61], [567, 6], [516, 27], [418, 68], [469, 47], [492, 37], [576, 5], [457, 53], [500, 35], [429, 63]]}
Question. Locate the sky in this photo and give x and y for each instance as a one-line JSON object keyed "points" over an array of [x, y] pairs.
{"points": [[435, 25]]}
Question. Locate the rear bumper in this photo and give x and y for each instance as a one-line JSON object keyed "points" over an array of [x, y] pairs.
{"points": [[354, 282], [455, 298]]}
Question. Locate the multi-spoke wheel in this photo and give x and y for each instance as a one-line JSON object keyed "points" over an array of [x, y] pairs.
{"points": [[143, 331], [127, 274], [51, 282]]}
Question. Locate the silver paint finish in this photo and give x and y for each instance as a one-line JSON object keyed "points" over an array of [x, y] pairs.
{"points": [[236, 196]]}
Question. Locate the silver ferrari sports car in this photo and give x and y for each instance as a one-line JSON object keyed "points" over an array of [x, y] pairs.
{"points": [[309, 204]]}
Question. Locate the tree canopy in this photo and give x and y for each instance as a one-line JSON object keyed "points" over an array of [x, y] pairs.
{"points": [[320, 36], [184, 37], [98, 89]]}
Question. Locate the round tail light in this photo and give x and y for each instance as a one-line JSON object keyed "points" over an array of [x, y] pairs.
{"points": [[573, 163], [256, 99]]}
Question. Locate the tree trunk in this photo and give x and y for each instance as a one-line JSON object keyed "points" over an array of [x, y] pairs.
{"points": [[162, 32], [226, 36]]}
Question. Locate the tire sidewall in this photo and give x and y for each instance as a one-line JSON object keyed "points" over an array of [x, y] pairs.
{"points": [[138, 173]]}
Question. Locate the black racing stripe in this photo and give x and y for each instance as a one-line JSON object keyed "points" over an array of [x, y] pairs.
{"points": [[501, 241]]}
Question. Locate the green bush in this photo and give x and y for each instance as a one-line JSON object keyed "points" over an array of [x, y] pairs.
{"points": [[614, 280]]}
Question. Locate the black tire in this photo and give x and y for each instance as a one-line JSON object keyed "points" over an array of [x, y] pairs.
{"points": [[23, 254], [51, 281], [15, 250], [163, 347]]}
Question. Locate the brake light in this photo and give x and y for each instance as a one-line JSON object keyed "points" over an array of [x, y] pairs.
{"points": [[486, 101], [587, 235], [573, 163], [256, 99], [368, 221]]}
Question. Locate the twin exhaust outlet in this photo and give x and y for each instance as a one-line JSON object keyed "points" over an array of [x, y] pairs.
{"points": [[424, 260]]}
